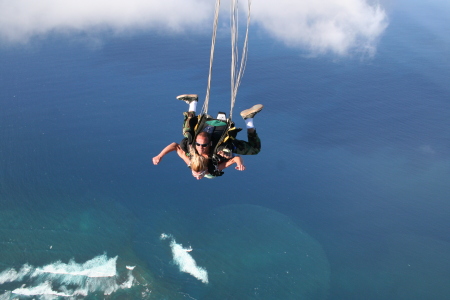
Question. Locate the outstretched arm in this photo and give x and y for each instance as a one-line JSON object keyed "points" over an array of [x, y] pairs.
{"points": [[183, 155], [168, 149], [235, 160]]}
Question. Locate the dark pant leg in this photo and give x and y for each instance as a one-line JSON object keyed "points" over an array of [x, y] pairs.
{"points": [[252, 147], [189, 122]]}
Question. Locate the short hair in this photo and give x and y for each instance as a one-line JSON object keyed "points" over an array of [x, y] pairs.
{"points": [[204, 134]]}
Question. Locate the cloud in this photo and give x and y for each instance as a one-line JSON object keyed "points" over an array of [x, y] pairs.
{"points": [[320, 26], [337, 26], [22, 19]]}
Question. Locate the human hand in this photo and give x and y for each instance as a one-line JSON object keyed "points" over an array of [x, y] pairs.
{"points": [[156, 159], [240, 167]]}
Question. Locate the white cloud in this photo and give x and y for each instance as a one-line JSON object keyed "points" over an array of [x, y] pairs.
{"points": [[338, 26], [22, 19]]}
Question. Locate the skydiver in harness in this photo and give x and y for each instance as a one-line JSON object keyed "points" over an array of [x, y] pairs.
{"points": [[206, 156]]}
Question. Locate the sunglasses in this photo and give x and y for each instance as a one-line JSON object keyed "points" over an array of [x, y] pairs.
{"points": [[195, 174], [202, 145]]}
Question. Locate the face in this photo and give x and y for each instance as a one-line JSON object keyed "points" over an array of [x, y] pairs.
{"points": [[202, 145], [199, 175]]}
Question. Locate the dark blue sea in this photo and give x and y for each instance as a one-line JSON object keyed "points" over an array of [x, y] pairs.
{"points": [[349, 197]]}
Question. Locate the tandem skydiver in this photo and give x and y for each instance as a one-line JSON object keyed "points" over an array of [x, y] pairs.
{"points": [[197, 154]]}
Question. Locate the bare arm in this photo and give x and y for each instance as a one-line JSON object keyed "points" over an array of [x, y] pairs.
{"points": [[171, 147], [235, 160], [183, 155]]}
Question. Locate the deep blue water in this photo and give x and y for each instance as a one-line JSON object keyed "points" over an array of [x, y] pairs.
{"points": [[348, 199]]}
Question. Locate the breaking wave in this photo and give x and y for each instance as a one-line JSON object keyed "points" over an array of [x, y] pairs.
{"points": [[66, 280], [184, 260]]}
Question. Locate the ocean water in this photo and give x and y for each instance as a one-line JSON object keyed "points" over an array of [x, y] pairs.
{"points": [[348, 199]]}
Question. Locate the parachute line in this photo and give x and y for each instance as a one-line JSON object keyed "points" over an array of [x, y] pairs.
{"points": [[237, 67], [211, 58], [237, 71]]}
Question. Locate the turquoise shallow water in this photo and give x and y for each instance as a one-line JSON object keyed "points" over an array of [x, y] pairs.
{"points": [[347, 200]]}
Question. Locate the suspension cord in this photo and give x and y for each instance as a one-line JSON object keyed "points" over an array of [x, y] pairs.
{"points": [[211, 58], [237, 68], [237, 71]]}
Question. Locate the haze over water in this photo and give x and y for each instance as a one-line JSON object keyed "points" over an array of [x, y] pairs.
{"points": [[348, 198]]}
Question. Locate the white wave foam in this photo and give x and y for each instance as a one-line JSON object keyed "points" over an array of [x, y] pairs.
{"points": [[99, 266], [165, 236], [184, 260], [11, 275], [130, 282], [6, 296], [50, 281], [42, 289]]}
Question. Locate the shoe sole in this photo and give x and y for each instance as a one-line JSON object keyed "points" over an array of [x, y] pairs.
{"points": [[188, 97], [254, 109]]}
